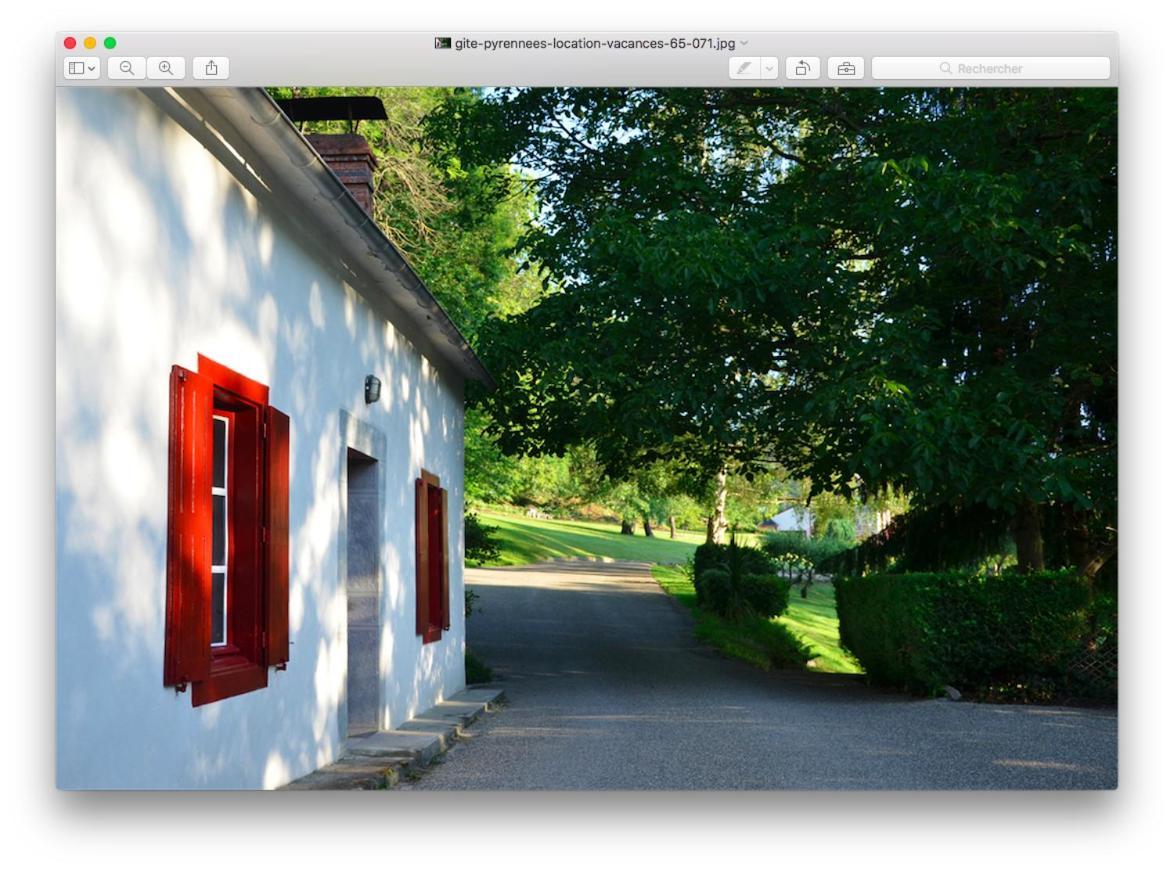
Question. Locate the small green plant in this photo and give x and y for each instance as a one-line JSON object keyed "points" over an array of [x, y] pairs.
{"points": [[480, 544], [470, 598], [476, 671]]}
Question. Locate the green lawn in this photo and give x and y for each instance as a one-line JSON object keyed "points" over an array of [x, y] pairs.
{"points": [[525, 541], [813, 619]]}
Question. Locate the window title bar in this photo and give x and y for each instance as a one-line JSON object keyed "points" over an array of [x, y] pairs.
{"points": [[651, 59]]}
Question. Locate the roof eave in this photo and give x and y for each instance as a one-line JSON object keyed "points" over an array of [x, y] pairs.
{"points": [[252, 124]]}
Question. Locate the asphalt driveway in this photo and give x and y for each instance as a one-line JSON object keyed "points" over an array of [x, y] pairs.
{"points": [[607, 689]]}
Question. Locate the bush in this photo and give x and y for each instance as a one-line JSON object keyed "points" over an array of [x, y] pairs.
{"points": [[476, 671], [480, 545], [735, 581], [765, 595], [801, 557], [992, 633]]}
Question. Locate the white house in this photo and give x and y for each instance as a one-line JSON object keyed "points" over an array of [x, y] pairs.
{"points": [[793, 519], [252, 558]]}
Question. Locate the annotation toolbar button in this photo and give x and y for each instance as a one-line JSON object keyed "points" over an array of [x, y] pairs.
{"points": [[745, 68]]}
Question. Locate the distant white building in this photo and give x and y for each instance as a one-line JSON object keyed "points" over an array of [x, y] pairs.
{"points": [[238, 586], [793, 519]]}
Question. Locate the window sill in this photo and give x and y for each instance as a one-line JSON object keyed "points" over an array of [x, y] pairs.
{"points": [[232, 677]]}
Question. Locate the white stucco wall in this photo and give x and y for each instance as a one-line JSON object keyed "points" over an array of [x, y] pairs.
{"points": [[162, 254]]}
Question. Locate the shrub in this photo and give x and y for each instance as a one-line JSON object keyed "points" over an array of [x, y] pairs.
{"points": [[925, 631], [715, 591], [708, 556], [764, 595], [734, 581], [476, 671], [480, 545], [801, 557]]}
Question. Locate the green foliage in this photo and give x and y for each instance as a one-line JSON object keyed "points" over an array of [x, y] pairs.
{"points": [[938, 538], [476, 671], [733, 580], [457, 225], [801, 557], [911, 287], [842, 530], [470, 601], [994, 633], [480, 544]]}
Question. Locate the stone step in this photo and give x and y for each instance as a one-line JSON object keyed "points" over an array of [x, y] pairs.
{"points": [[378, 760]]}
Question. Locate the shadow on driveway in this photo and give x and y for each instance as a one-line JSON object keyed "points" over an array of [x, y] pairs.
{"points": [[607, 689]]}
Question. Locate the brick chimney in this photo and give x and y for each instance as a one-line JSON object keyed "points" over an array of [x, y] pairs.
{"points": [[349, 155]]}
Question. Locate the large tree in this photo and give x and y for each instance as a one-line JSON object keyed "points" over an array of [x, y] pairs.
{"points": [[878, 286]]}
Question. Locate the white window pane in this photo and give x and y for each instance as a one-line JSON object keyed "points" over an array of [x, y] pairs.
{"points": [[219, 594]]}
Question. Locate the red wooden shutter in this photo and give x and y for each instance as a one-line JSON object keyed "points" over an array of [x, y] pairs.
{"points": [[277, 550], [444, 605], [421, 556], [187, 639]]}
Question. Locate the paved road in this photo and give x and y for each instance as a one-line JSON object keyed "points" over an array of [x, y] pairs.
{"points": [[607, 689]]}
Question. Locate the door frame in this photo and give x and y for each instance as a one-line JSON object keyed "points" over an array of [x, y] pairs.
{"points": [[368, 440]]}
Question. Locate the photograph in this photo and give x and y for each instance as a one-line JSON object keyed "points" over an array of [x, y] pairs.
{"points": [[593, 438]]}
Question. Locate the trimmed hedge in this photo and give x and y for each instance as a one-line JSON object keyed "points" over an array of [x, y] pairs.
{"points": [[735, 581], [986, 633]]}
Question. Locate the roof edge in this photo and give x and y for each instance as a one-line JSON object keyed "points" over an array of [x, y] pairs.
{"points": [[270, 137]]}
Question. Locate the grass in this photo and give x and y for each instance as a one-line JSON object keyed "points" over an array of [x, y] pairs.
{"points": [[525, 541], [763, 643], [814, 621]]}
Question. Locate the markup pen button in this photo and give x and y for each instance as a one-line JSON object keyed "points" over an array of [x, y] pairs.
{"points": [[210, 67]]}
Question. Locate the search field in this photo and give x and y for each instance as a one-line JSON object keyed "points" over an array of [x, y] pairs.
{"points": [[950, 67]]}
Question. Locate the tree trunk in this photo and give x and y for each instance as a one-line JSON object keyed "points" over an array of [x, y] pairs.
{"points": [[672, 526], [1096, 562], [709, 530], [626, 527], [648, 528], [1029, 538], [718, 520]]}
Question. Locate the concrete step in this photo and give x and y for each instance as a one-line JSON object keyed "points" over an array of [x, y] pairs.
{"points": [[379, 760]]}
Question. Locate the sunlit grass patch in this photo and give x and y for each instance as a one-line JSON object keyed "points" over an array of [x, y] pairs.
{"points": [[814, 621]]}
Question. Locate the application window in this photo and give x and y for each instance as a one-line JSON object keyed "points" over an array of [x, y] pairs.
{"points": [[400, 369]]}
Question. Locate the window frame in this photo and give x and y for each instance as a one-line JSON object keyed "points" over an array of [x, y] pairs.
{"points": [[432, 563], [256, 545]]}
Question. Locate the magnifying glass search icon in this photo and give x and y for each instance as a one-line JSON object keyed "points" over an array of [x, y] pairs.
{"points": [[945, 67], [126, 67], [165, 66]]}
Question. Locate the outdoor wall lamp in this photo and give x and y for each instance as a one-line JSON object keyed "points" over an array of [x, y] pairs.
{"points": [[371, 389]]}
